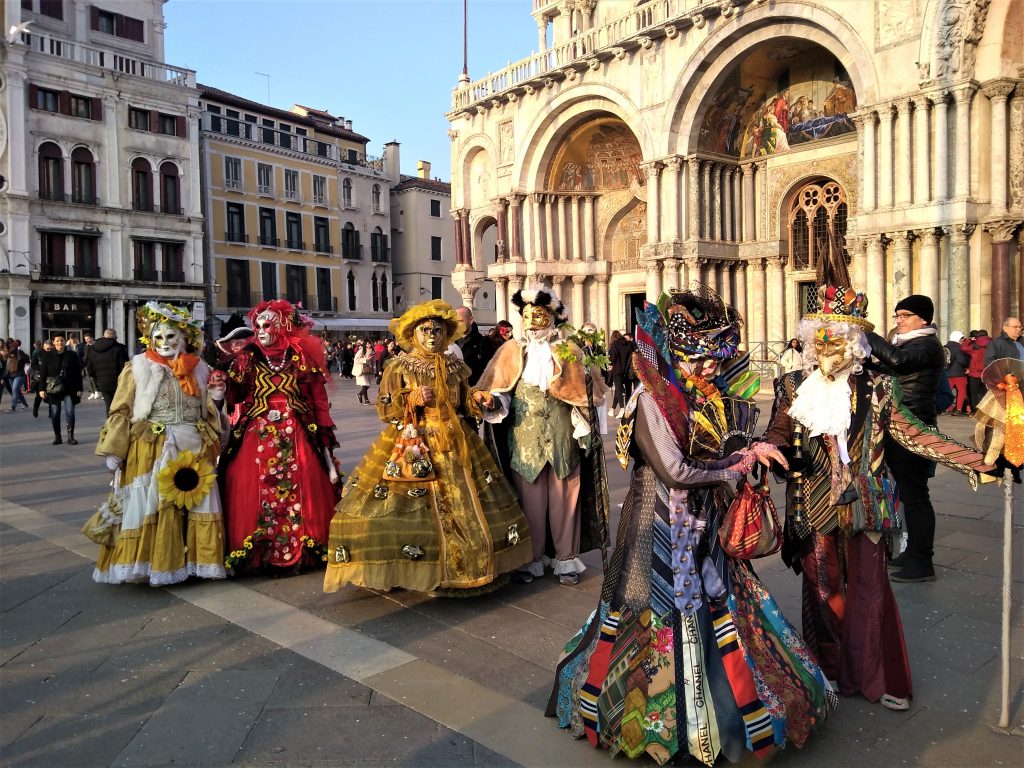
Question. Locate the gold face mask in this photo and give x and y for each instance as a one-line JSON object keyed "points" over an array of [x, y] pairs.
{"points": [[831, 351], [430, 335], [536, 318]]}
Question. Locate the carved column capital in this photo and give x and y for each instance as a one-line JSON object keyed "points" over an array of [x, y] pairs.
{"points": [[1001, 230], [903, 105], [902, 238], [652, 169], [963, 231], [674, 163], [921, 101], [603, 279], [938, 97], [963, 93], [998, 90], [579, 279], [929, 236]]}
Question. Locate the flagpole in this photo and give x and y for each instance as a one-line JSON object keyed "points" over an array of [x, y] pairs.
{"points": [[464, 77]]}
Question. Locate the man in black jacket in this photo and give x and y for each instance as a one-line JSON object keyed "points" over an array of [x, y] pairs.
{"points": [[477, 351], [916, 359], [1006, 344], [107, 357], [61, 373]]}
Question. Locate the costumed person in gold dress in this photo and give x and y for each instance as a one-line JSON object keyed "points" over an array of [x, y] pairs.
{"points": [[539, 399], [162, 522], [427, 509]]}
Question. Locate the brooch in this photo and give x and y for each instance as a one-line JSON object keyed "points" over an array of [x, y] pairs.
{"points": [[415, 493], [341, 554], [380, 491], [513, 535], [412, 551]]}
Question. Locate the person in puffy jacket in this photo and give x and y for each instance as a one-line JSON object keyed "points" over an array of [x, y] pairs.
{"points": [[975, 346], [107, 357], [916, 359], [956, 371]]}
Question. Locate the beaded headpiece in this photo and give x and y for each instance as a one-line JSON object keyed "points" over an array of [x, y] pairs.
{"points": [[839, 304]]}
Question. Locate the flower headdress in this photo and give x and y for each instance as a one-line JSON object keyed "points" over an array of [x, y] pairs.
{"points": [[153, 314], [295, 329]]}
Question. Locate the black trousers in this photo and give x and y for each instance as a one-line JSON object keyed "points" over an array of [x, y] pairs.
{"points": [[911, 474], [975, 390]]}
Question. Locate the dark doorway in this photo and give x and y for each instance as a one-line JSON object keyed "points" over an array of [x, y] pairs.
{"points": [[634, 301]]}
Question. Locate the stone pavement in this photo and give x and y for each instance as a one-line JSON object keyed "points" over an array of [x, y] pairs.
{"points": [[272, 672]]}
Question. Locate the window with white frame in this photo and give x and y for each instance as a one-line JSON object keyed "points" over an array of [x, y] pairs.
{"points": [[291, 185], [233, 173], [265, 179], [346, 193], [319, 190], [376, 198]]}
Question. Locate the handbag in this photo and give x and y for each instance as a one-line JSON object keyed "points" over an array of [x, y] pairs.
{"points": [[409, 461], [750, 528], [54, 387]]}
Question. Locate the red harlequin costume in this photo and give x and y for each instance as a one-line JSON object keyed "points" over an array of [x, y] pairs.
{"points": [[276, 475]]}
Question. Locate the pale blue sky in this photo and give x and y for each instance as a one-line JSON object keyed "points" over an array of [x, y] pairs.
{"points": [[387, 65]]}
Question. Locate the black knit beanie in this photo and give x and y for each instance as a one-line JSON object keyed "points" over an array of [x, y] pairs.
{"points": [[920, 305]]}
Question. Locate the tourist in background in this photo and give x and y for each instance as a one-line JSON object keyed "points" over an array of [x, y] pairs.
{"points": [[792, 358], [107, 358], [60, 383], [956, 371]]}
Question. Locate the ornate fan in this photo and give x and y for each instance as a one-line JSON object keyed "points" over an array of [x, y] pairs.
{"points": [[722, 426]]}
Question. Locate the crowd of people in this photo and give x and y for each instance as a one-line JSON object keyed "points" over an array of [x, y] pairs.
{"points": [[490, 467]]}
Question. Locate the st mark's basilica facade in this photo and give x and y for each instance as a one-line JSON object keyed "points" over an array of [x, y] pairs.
{"points": [[651, 144]]}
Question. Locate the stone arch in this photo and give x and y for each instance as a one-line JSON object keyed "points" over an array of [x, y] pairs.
{"points": [[632, 209], [481, 232], [1001, 50], [785, 181], [713, 59], [461, 193], [565, 113], [477, 177]]}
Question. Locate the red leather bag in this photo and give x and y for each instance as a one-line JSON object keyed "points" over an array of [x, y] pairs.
{"points": [[750, 528]]}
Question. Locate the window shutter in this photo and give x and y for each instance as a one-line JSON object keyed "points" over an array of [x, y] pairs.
{"points": [[57, 250], [94, 17], [65, 102], [154, 121], [97, 109], [180, 129], [118, 25], [33, 96]]}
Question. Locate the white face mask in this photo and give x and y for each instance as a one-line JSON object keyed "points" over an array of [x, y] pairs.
{"points": [[268, 326], [167, 340]]}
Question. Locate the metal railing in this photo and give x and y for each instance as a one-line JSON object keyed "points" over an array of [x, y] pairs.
{"points": [[236, 237], [352, 251], [234, 184], [319, 200], [47, 194], [264, 190], [323, 248], [291, 194], [271, 242]]}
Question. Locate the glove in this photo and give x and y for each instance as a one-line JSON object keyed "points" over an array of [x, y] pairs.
{"points": [[114, 463]]}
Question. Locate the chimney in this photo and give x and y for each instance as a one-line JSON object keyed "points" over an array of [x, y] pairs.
{"points": [[348, 125], [392, 167], [423, 169]]}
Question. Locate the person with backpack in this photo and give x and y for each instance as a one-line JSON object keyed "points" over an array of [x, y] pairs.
{"points": [[975, 346], [17, 362]]}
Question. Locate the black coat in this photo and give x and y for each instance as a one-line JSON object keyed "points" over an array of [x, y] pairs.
{"points": [[620, 354], [106, 359], [917, 366], [64, 365], [1001, 346], [958, 360], [477, 352]]}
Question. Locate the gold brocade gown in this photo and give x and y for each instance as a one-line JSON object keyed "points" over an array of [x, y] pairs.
{"points": [[459, 530]]}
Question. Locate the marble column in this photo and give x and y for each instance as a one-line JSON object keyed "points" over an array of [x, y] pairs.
{"points": [[602, 302], [716, 202], [467, 240], [515, 283], [1016, 162], [959, 273], [574, 228], [112, 141], [858, 262], [922, 156], [669, 274], [870, 170], [740, 295], [589, 235], [526, 245], [685, 182], [776, 295], [653, 172], [460, 246], [563, 234], [502, 243], [749, 235], [756, 302], [693, 174], [904, 153], [672, 186], [875, 288], [539, 215], [727, 204], [940, 190], [5, 318], [501, 298], [550, 212], [885, 153], [687, 270], [653, 282], [761, 199], [997, 93], [737, 203], [929, 263], [516, 202], [542, 34], [901, 277], [962, 182], [1002, 238], [578, 315], [705, 199], [725, 285]]}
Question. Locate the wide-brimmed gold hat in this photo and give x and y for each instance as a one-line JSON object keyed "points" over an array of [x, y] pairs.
{"points": [[402, 328]]}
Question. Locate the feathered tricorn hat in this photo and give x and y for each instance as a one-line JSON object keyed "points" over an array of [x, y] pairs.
{"points": [[152, 314], [539, 296]]}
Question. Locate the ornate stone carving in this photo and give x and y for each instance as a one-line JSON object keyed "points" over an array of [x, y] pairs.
{"points": [[961, 232], [671, 32], [961, 25], [594, 63], [506, 143], [1017, 152], [997, 90], [1001, 230], [896, 20], [842, 168], [698, 20], [619, 52]]}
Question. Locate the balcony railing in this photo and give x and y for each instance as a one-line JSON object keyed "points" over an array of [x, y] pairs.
{"points": [[651, 19], [291, 194], [264, 190], [47, 194], [319, 200], [295, 245], [352, 251], [322, 303], [234, 184], [84, 198], [323, 248], [212, 122], [270, 242], [49, 45], [380, 255], [236, 237], [79, 272], [174, 210]]}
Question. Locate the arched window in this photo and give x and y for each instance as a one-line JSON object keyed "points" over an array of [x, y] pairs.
{"points": [[376, 198], [351, 291], [350, 242], [142, 185], [170, 193], [346, 193], [384, 292], [83, 176], [373, 293], [51, 172], [817, 222]]}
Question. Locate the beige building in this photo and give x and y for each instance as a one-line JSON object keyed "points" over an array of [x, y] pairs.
{"points": [[296, 210], [651, 144], [99, 169], [423, 234]]}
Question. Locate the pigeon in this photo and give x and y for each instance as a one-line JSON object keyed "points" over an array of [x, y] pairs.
{"points": [[15, 32]]}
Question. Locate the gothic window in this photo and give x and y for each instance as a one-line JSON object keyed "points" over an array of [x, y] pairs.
{"points": [[817, 219], [373, 293]]}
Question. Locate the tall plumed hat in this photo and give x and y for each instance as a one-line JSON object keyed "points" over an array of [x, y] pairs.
{"points": [[701, 324], [539, 296], [838, 304], [403, 328], [153, 314]]}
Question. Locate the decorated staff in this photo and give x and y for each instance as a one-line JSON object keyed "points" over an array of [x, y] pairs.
{"points": [[162, 522]]}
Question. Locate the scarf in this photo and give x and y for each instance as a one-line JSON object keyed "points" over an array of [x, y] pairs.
{"points": [[902, 338], [182, 366], [823, 407], [539, 368]]}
